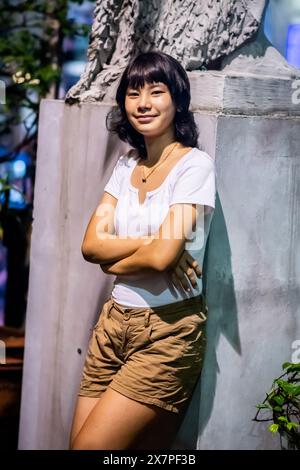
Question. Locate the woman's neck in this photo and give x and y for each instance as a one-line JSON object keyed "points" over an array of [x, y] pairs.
{"points": [[156, 147]]}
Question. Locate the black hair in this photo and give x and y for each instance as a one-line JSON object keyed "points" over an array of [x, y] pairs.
{"points": [[150, 67]]}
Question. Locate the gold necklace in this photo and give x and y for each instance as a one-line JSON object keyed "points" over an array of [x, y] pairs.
{"points": [[144, 179]]}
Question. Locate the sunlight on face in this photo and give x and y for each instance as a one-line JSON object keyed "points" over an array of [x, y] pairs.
{"points": [[154, 102]]}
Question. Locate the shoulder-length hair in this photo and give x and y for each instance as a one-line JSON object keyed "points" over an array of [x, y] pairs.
{"points": [[150, 67]]}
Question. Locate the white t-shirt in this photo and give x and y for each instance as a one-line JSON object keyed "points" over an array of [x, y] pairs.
{"points": [[191, 180]]}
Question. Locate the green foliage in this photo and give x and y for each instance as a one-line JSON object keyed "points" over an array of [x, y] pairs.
{"points": [[31, 56], [283, 404]]}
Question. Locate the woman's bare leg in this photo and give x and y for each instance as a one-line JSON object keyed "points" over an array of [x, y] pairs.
{"points": [[83, 408], [118, 423], [160, 434]]}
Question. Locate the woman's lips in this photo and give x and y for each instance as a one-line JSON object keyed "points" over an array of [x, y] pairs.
{"points": [[145, 118]]}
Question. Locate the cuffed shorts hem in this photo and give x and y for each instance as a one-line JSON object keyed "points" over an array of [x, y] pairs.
{"points": [[89, 393], [141, 398]]}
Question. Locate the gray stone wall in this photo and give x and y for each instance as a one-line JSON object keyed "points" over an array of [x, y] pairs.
{"points": [[253, 278]]}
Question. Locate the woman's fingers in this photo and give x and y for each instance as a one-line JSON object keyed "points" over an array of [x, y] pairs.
{"points": [[194, 264], [191, 275], [181, 278], [175, 279], [185, 270]]}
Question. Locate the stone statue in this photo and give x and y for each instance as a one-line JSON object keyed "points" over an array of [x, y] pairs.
{"points": [[195, 32], [260, 57]]}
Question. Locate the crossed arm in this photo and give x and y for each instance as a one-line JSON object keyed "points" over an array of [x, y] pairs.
{"points": [[146, 254], [127, 255], [147, 258]]}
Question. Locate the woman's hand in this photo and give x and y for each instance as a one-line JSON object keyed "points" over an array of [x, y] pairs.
{"points": [[185, 268]]}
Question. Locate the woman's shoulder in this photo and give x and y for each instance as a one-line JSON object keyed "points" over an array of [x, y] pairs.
{"points": [[129, 158], [195, 158], [202, 157], [126, 160]]}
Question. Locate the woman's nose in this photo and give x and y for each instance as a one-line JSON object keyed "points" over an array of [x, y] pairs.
{"points": [[144, 102]]}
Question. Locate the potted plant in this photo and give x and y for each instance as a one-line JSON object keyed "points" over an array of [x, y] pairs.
{"points": [[282, 405]]}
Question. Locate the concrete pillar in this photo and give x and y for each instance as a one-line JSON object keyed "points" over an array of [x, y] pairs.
{"points": [[250, 123], [253, 279], [75, 159], [252, 267]]}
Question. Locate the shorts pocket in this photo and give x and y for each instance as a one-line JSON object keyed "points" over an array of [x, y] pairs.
{"points": [[102, 314], [185, 329]]}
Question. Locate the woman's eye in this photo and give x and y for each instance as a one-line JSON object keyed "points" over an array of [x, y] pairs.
{"points": [[134, 93]]}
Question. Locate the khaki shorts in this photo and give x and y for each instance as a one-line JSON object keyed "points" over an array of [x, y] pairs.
{"points": [[152, 355]]}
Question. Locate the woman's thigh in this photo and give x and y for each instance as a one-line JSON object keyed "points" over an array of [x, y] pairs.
{"points": [[118, 423], [83, 408]]}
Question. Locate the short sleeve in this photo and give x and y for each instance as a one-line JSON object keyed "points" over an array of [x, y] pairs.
{"points": [[195, 183], [114, 183]]}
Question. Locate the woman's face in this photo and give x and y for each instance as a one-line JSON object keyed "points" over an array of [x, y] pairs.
{"points": [[150, 110]]}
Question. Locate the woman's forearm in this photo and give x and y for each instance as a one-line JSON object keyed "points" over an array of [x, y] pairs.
{"points": [[112, 248], [144, 260]]}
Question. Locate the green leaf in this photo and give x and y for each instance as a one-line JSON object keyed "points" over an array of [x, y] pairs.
{"points": [[297, 390], [279, 399], [286, 364], [292, 425], [273, 428], [5, 188], [283, 418], [262, 406], [289, 388], [294, 368]]}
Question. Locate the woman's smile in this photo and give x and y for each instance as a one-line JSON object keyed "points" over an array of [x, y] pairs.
{"points": [[145, 119], [150, 104]]}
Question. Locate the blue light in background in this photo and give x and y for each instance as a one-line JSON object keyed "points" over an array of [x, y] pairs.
{"points": [[293, 45], [16, 199], [19, 169]]}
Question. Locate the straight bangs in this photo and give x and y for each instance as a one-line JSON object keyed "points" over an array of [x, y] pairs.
{"points": [[149, 68], [148, 72]]}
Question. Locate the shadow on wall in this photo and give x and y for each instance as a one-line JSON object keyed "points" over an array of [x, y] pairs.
{"points": [[222, 319]]}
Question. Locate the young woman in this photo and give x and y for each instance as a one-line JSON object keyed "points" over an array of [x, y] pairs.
{"points": [[150, 230]]}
